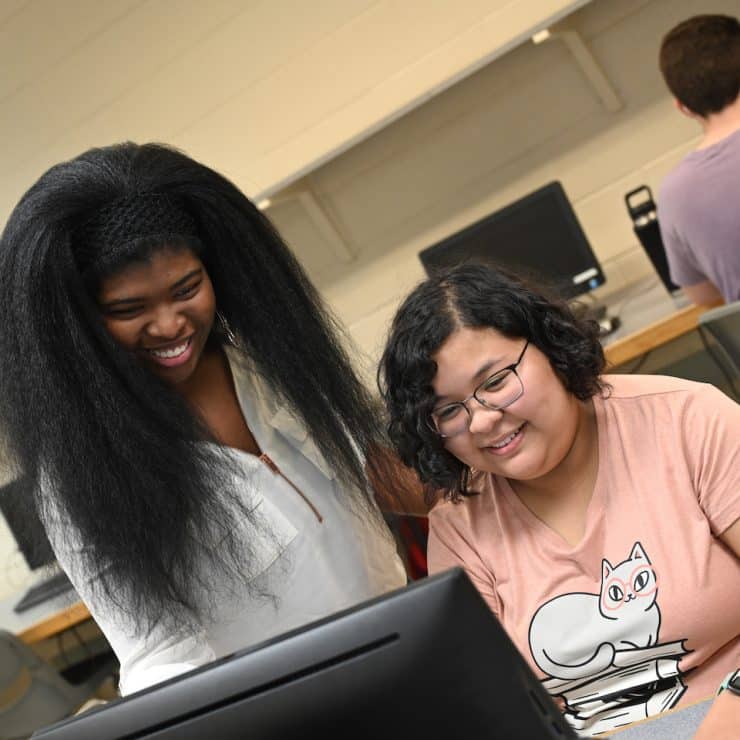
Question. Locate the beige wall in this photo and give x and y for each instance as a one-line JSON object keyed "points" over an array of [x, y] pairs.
{"points": [[259, 89], [14, 573], [525, 119]]}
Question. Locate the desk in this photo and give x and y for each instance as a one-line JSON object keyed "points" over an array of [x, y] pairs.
{"points": [[650, 317], [43, 620]]}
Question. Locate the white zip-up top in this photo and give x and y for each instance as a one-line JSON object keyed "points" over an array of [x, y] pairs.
{"points": [[321, 557]]}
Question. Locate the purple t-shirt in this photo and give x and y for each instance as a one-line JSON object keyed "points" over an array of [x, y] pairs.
{"points": [[699, 216]]}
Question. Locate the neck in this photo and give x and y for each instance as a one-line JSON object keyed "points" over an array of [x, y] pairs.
{"points": [[211, 370], [571, 482], [718, 126]]}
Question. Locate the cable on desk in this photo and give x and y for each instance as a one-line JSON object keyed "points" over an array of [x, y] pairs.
{"points": [[62, 651], [85, 646]]}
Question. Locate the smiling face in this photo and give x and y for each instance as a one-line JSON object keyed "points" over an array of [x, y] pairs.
{"points": [[162, 310], [528, 439]]}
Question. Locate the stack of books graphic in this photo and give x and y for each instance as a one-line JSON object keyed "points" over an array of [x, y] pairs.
{"points": [[641, 683]]}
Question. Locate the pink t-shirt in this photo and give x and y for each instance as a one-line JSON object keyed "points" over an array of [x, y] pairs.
{"points": [[643, 615]]}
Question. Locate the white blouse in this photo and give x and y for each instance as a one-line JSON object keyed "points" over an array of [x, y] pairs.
{"points": [[321, 557]]}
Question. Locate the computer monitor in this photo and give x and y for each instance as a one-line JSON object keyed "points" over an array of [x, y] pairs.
{"points": [[537, 236], [427, 661], [24, 523]]}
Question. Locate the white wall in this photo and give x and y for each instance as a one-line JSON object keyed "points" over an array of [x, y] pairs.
{"points": [[14, 573], [258, 89], [525, 119]]}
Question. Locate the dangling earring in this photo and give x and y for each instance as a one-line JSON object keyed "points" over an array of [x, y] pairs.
{"points": [[223, 329]]}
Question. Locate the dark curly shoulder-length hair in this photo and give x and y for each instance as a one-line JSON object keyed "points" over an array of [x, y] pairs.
{"points": [[473, 296]]}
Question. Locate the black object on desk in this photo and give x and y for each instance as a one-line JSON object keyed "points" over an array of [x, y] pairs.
{"points": [[47, 589], [644, 215], [429, 660]]}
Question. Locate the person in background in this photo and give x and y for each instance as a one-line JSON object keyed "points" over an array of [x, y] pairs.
{"points": [[697, 205], [200, 447], [598, 515]]}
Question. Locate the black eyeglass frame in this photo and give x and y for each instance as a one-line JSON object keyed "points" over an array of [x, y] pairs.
{"points": [[464, 403]]}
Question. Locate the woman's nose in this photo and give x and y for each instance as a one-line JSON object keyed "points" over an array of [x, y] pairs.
{"points": [[166, 323], [482, 418]]}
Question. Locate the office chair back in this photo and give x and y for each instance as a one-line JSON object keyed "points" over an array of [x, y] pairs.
{"points": [[32, 693], [722, 324]]}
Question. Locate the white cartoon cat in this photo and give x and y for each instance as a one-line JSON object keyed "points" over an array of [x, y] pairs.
{"points": [[576, 635]]}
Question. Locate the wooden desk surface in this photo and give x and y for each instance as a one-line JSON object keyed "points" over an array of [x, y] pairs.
{"points": [[55, 622], [654, 335], [650, 317], [42, 620]]}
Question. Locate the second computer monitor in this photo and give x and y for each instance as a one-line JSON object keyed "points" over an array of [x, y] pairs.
{"points": [[20, 515], [537, 236]]}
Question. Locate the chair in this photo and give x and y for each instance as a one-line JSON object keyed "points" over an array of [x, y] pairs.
{"points": [[723, 325], [33, 694]]}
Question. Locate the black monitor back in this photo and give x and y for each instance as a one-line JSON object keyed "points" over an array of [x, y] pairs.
{"points": [[538, 237], [17, 507], [427, 661]]}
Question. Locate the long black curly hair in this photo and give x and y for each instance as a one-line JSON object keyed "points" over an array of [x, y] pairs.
{"points": [[108, 446], [472, 296]]}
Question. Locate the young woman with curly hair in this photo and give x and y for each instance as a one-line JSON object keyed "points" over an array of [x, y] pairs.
{"points": [[171, 385], [599, 516]]}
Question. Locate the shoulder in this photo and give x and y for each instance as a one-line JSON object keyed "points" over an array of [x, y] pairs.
{"points": [[667, 400], [274, 425], [449, 535], [677, 190], [630, 387], [246, 378], [457, 518], [678, 178]]}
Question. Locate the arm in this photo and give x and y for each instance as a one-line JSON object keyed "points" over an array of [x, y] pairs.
{"points": [[723, 718], [398, 489], [146, 658], [703, 294], [682, 263], [449, 548]]}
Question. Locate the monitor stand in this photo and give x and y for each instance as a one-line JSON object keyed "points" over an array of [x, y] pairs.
{"points": [[608, 325], [597, 312]]}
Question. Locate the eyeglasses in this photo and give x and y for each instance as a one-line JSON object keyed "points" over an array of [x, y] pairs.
{"points": [[496, 392]]}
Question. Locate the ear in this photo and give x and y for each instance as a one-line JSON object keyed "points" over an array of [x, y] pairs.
{"points": [[606, 569], [638, 553], [683, 110]]}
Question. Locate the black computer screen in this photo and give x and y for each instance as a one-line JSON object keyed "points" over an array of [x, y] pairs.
{"points": [[537, 236], [427, 661], [24, 523]]}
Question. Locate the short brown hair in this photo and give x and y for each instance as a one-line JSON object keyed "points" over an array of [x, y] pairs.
{"points": [[700, 62]]}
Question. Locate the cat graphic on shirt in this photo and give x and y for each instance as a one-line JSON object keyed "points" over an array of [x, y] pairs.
{"points": [[576, 635]]}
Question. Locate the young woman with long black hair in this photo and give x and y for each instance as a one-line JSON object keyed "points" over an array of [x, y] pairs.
{"points": [[199, 444]]}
